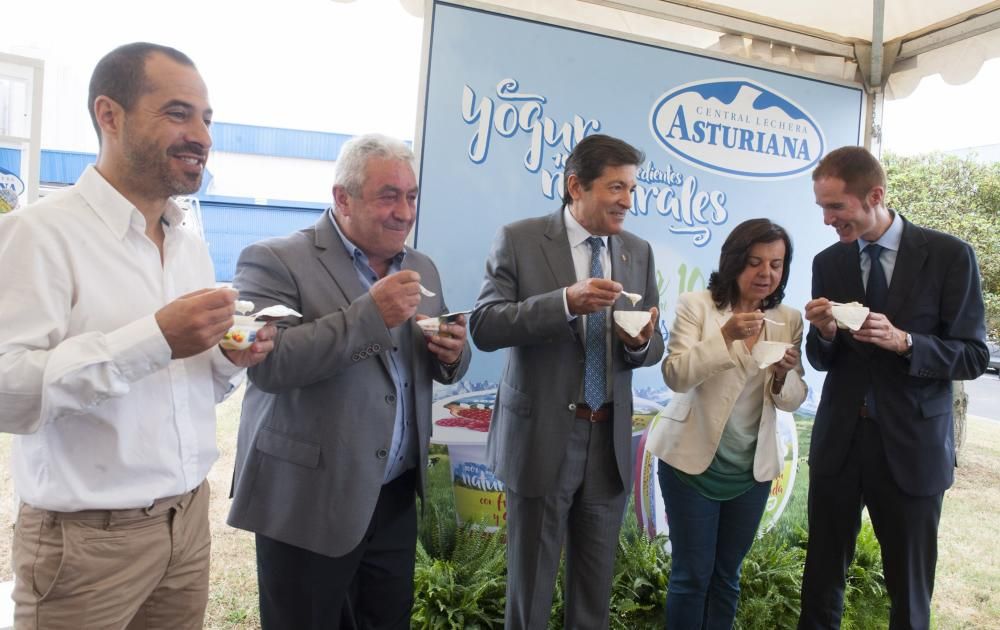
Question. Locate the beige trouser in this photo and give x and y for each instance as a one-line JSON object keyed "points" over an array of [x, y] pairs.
{"points": [[96, 569]]}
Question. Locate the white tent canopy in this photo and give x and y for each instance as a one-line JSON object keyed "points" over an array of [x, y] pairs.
{"points": [[893, 43], [886, 45]]}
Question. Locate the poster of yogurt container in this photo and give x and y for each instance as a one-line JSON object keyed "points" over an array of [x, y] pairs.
{"points": [[505, 100]]}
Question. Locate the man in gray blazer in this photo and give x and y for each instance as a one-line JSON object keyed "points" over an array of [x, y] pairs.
{"points": [[561, 433], [336, 424]]}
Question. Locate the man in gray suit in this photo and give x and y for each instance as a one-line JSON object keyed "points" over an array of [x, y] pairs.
{"points": [[336, 424], [561, 433]]}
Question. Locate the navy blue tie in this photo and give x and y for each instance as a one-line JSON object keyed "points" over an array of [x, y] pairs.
{"points": [[594, 367], [876, 294], [878, 289]]}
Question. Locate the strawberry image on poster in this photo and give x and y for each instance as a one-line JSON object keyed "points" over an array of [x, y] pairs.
{"points": [[474, 418]]}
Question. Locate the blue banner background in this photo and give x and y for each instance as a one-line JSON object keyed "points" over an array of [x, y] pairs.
{"points": [[467, 194]]}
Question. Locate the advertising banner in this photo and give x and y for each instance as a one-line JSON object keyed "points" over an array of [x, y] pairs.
{"points": [[11, 189], [507, 98]]}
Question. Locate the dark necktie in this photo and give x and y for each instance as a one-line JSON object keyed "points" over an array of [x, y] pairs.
{"points": [[875, 294], [877, 289], [594, 368]]}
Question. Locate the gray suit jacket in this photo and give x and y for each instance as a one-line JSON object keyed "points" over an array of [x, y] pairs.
{"points": [[521, 308], [318, 414]]}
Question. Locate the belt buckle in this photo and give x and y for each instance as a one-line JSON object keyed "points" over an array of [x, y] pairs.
{"points": [[593, 414]]}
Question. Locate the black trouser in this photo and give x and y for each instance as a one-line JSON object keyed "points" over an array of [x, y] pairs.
{"points": [[370, 587], [906, 527]]}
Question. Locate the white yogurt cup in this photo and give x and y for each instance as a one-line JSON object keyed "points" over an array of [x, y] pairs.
{"points": [[242, 333]]}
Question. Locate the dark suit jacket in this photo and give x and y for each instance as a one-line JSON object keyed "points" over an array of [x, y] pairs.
{"points": [[934, 295], [319, 412], [521, 307]]}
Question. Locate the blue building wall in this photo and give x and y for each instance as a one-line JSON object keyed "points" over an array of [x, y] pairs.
{"points": [[64, 167], [10, 160], [229, 227], [276, 142], [231, 223]]}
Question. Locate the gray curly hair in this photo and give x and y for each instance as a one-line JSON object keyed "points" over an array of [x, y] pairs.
{"points": [[356, 152]]}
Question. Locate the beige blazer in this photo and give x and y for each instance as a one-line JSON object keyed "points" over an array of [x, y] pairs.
{"points": [[706, 379]]}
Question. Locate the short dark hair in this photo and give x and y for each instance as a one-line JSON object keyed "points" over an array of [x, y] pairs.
{"points": [[733, 260], [856, 166], [592, 155], [121, 75]]}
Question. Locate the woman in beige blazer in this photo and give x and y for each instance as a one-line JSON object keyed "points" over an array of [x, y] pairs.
{"points": [[718, 436]]}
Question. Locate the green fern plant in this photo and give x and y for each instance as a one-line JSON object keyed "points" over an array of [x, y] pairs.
{"points": [[639, 586], [437, 531], [866, 602], [769, 584], [465, 588], [460, 577], [437, 526], [558, 613]]}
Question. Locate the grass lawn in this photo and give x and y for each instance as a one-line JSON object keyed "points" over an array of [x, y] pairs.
{"points": [[966, 593], [968, 566]]}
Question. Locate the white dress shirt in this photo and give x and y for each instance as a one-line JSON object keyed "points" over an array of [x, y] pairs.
{"points": [[582, 253], [890, 240], [109, 421]]}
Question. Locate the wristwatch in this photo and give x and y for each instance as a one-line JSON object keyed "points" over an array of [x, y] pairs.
{"points": [[906, 354]]}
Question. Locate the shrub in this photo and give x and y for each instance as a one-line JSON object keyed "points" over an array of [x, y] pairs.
{"points": [[639, 586], [769, 584], [992, 302], [866, 603], [460, 577], [959, 196], [466, 589]]}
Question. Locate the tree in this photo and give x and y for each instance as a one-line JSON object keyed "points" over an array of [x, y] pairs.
{"points": [[961, 197]]}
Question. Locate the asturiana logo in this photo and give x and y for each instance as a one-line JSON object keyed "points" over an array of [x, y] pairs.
{"points": [[737, 127], [11, 181]]}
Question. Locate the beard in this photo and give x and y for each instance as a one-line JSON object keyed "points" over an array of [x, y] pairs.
{"points": [[150, 168]]}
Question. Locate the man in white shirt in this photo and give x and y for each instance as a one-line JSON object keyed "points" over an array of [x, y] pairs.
{"points": [[109, 364]]}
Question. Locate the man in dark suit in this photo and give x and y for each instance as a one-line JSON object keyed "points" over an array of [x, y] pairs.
{"points": [[561, 433], [883, 436], [336, 425]]}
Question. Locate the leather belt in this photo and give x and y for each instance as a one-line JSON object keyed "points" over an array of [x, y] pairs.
{"points": [[864, 412], [584, 412]]}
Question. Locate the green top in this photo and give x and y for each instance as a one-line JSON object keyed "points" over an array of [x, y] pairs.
{"points": [[731, 472], [724, 479]]}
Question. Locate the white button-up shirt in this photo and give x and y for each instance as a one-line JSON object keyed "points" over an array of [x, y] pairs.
{"points": [[890, 240], [581, 251], [109, 421]]}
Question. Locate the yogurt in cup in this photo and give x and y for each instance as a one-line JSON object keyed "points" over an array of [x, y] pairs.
{"points": [[242, 333], [767, 352], [430, 326]]}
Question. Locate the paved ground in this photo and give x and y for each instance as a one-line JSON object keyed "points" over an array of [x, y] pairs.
{"points": [[984, 396]]}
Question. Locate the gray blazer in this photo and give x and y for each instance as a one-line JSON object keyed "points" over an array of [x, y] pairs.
{"points": [[318, 414], [521, 308]]}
